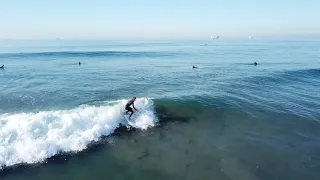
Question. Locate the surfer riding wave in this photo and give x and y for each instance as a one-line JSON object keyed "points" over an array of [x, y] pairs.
{"points": [[128, 108]]}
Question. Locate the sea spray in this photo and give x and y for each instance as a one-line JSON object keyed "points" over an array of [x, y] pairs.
{"points": [[34, 137]]}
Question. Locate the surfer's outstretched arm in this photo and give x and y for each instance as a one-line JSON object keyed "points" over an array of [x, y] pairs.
{"points": [[134, 107]]}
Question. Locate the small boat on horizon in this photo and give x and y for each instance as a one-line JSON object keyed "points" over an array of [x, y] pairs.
{"points": [[215, 37]]}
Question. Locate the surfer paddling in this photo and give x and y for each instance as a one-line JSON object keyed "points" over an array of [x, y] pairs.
{"points": [[128, 108]]}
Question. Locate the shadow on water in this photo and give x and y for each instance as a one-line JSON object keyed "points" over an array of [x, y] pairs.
{"points": [[166, 116]]}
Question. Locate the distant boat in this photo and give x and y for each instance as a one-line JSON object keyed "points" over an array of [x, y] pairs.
{"points": [[214, 37]]}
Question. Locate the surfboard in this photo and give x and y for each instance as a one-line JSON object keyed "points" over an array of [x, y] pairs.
{"points": [[129, 121]]}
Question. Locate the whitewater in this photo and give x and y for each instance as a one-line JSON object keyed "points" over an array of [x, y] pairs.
{"points": [[34, 137]]}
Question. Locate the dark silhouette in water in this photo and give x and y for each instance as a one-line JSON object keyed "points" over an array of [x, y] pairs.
{"points": [[2, 67], [255, 63], [194, 67], [79, 63]]}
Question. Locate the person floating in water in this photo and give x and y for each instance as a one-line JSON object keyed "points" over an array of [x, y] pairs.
{"points": [[128, 108], [2, 67], [255, 63], [194, 67], [79, 63]]}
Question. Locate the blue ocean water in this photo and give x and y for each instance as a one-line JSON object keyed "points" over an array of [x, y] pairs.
{"points": [[253, 122]]}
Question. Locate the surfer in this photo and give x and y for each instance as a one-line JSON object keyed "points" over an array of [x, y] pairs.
{"points": [[2, 67], [255, 63], [79, 63], [194, 67], [128, 108]]}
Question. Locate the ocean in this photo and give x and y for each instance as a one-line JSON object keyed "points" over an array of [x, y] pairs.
{"points": [[226, 119]]}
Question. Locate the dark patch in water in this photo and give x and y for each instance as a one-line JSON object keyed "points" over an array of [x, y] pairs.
{"points": [[190, 141], [186, 151], [145, 154], [291, 145], [165, 115], [163, 136]]}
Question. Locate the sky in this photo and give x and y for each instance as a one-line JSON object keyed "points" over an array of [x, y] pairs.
{"points": [[157, 19]]}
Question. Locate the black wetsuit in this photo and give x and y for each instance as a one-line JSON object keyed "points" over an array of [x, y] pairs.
{"points": [[128, 108]]}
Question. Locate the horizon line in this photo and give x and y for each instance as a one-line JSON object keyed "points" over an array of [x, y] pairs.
{"points": [[161, 39]]}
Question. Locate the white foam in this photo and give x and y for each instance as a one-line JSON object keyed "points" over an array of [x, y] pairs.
{"points": [[33, 137]]}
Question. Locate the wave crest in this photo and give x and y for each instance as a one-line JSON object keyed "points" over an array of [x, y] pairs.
{"points": [[34, 137]]}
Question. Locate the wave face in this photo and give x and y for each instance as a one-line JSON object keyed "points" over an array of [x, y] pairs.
{"points": [[34, 137]]}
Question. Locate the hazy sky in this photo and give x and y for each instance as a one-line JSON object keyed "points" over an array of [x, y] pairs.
{"points": [[157, 19]]}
